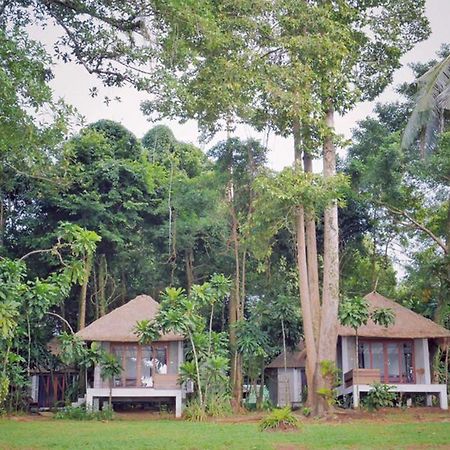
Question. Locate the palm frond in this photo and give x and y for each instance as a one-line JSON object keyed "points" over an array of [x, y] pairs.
{"points": [[433, 95]]}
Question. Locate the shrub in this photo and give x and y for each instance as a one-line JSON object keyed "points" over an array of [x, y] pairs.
{"points": [[379, 396], [80, 413], [306, 411], [282, 419], [219, 406], [194, 411]]}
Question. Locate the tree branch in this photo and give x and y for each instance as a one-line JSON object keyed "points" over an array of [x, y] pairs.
{"points": [[417, 224]]}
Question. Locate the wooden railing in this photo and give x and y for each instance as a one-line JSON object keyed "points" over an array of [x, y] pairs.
{"points": [[165, 381], [361, 376]]}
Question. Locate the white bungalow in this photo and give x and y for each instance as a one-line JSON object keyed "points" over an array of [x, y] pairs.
{"points": [[398, 355], [150, 372]]}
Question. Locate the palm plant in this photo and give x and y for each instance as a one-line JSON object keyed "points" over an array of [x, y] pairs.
{"points": [[354, 313], [110, 368], [432, 100]]}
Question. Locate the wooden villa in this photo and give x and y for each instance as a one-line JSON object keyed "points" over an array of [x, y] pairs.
{"points": [[399, 355], [150, 372]]}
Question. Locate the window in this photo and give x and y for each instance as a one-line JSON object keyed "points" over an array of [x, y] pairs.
{"points": [[393, 358], [140, 363]]}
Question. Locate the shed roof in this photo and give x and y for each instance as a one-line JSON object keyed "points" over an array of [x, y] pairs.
{"points": [[119, 324], [294, 358], [408, 324]]}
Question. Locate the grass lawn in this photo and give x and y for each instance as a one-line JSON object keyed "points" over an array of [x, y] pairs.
{"points": [[377, 433]]}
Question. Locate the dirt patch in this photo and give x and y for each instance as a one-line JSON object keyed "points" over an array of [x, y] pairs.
{"points": [[391, 415]]}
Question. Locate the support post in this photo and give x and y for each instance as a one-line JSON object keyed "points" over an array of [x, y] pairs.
{"points": [[178, 405], [355, 397], [443, 399]]}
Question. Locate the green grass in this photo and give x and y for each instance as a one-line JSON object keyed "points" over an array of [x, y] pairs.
{"points": [[170, 434]]}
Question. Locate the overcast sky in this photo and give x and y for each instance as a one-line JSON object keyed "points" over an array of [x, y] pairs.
{"points": [[72, 83]]}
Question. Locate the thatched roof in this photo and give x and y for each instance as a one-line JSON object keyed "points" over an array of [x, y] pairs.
{"points": [[118, 325], [294, 358], [408, 324]]}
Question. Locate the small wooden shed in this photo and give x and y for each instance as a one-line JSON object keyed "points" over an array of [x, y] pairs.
{"points": [[287, 386]]}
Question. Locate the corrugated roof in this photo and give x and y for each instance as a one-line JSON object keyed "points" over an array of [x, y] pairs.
{"points": [[119, 324], [408, 324]]}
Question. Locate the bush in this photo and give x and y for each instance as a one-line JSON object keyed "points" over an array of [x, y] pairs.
{"points": [[306, 411], [219, 406], [80, 413], [194, 412], [379, 396], [282, 419]]}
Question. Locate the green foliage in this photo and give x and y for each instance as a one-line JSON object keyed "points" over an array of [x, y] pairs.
{"points": [[279, 419], [110, 366], [207, 363], [331, 375], [278, 195], [379, 396], [195, 411], [219, 405], [383, 316], [354, 312], [80, 413], [306, 411], [148, 331]]}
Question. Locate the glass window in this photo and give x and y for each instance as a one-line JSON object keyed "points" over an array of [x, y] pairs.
{"points": [[364, 356], [377, 357], [160, 361], [407, 363], [118, 351], [130, 366], [393, 362], [146, 366], [394, 359]]}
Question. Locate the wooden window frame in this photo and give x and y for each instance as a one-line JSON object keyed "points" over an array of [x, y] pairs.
{"points": [[385, 373], [138, 348]]}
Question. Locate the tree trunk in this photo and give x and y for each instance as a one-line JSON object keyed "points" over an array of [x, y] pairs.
{"points": [[260, 400], [123, 288], [96, 294], [311, 252], [83, 292], [110, 393], [286, 383], [197, 370], [102, 276], [302, 267], [330, 291], [233, 312], [189, 256], [2, 219]]}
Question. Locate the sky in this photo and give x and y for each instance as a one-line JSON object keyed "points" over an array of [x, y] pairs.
{"points": [[72, 83]]}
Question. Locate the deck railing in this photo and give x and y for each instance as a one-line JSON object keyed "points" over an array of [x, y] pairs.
{"points": [[361, 376]]}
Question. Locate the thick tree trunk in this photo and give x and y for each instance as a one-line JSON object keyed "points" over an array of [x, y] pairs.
{"points": [[302, 267], [330, 291], [83, 293], [312, 258]]}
